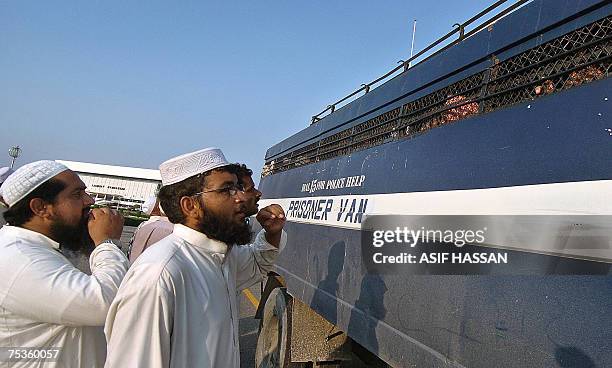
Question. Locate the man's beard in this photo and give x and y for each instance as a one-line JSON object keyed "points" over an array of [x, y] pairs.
{"points": [[224, 230], [251, 209], [73, 237]]}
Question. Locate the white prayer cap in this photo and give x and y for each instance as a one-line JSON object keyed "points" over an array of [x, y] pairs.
{"points": [[149, 204], [190, 164], [27, 178]]}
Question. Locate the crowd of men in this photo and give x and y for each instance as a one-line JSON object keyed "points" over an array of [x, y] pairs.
{"points": [[172, 304]]}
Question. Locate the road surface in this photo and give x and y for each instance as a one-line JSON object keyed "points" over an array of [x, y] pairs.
{"points": [[248, 326]]}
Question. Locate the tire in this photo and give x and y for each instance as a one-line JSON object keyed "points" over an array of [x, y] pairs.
{"points": [[273, 343]]}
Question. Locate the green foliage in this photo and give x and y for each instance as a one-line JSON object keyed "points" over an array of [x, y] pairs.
{"points": [[131, 217]]}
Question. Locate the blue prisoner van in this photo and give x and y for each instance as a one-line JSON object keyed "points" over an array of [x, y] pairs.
{"points": [[510, 118]]}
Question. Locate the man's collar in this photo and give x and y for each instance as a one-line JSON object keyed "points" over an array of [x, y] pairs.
{"points": [[199, 239], [30, 235]]}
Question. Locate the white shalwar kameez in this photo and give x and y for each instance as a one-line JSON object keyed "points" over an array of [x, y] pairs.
{"points": [[177, 306], [45, 302]]}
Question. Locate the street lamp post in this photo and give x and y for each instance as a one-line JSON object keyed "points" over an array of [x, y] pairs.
{"points": [[14, 152]]}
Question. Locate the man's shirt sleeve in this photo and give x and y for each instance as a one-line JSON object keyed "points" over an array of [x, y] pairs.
{"points": [[256, 259], [48, 288]]}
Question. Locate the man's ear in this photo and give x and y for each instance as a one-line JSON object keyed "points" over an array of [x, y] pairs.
{"points": [[190, 207], [40, 208]]}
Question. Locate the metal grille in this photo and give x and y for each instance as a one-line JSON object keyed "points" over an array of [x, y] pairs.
{"points": [[449, 104], [576, 58], [377, 131]]}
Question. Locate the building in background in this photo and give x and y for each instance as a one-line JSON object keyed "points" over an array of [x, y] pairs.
{"points": [[117, 186]]}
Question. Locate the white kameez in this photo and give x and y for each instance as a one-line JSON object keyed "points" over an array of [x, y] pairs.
{"points": [[177, 306], [45, 302]]}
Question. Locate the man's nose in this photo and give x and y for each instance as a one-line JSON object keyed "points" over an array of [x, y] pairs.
{"points": [[88, 200]]}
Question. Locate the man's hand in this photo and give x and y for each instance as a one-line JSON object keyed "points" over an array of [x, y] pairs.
{"points": [[104, 223], [272, 219]]}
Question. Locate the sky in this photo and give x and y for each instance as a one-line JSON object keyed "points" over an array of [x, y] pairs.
{"points": [[135, 83]]}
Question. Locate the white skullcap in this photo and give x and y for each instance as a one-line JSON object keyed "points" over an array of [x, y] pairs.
{"points": [[27, 178], [149, 204], [190, 164]]}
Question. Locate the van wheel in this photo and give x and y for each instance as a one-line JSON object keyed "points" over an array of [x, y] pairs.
{"points": [[274, 341]]}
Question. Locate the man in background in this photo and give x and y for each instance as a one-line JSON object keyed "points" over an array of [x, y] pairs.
{"points": [[250, 194], [151, 231], [151, 209], [4, 173]]}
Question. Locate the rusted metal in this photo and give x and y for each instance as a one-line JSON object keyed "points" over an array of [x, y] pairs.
{"points": [[461, 30]]}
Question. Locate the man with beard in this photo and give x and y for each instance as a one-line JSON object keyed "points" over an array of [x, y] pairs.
{"points": [[45, 302], [177, 306]]}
